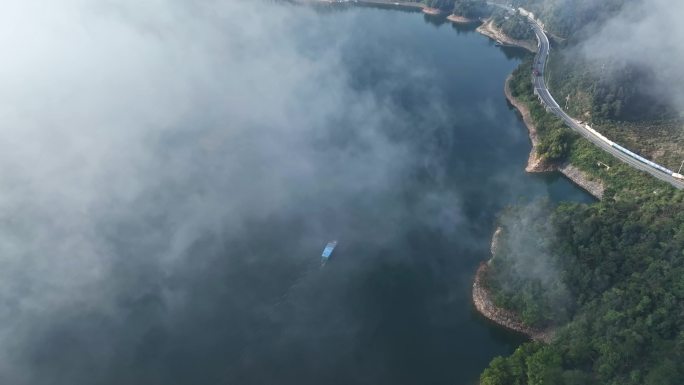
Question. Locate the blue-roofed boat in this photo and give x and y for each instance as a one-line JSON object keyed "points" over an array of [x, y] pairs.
{"points": [[327, 252]]}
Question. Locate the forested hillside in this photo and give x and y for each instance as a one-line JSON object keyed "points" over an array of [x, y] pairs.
{"points": [[606, 90], [471, 8], [625, 99], [621, 282], [600, 90], [514, 25], [445, 5], [568, 19], [467, 8], [608, 276]]}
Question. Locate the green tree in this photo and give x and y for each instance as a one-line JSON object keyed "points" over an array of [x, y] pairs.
{"points": [[497, 373]]}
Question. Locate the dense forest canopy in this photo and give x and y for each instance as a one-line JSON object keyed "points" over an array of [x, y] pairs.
{"points": [[445, 5], [467, 8], [608, 276], [471, 8], [514, 25], [622, 286], [608, 89], [613, 277]]}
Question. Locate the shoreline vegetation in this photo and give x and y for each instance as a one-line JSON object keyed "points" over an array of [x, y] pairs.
{"points": [[482, 299], [490, 30], [537, 164], [484, 303], [590, 347], [481, 296]]}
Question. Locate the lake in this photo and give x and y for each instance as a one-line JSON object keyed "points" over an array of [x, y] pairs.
{"points": [[408, 174]]}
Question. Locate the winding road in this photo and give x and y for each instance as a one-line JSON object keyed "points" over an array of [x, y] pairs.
{"points": [[541, 90]]}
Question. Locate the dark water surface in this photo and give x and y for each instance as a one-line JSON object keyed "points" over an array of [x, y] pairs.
{"points": [[393, 305]]}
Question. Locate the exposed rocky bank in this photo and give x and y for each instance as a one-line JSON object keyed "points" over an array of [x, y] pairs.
{"points": [[536, 163], [461, 20], [490, 30], [432, 11], [593, 186]]}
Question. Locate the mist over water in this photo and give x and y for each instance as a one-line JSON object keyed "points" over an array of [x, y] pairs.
{"points": [[171, 173]]}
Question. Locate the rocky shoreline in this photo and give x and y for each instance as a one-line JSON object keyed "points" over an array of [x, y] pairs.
{"points": [[482, 299], [461, 20], [582, 179], [488, 29], [494, 247], [536, 164], [506, 318], [432, 11]]}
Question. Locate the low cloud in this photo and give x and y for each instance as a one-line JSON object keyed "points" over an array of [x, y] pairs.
{"points": [[526, 266], [142, 142], [527, 243], [646, 36]]}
